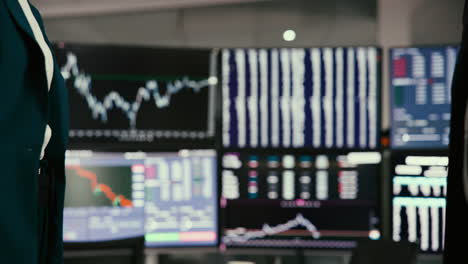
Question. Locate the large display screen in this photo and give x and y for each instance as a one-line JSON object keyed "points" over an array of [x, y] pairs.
{"points": [[301, 98], [181, 199], [104, 198], [419, 204], [127, 98], [421, 81], [300, 200]]}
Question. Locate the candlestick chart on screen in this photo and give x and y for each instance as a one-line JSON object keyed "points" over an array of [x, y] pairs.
{"points": [[134, 97]]}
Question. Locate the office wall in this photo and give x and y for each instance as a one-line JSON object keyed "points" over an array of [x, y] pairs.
{"points": [[322, 22], [318, 22]]}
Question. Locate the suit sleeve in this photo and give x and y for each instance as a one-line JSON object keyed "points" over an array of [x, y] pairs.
{"points": [[457, 208], [55, 153]]}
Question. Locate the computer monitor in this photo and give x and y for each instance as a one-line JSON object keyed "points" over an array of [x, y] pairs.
{"points": [[181, 199], [301, 98], [169, 198], [127, 98], [421, 81], [105, 196], [293, 199], [419, 183]]}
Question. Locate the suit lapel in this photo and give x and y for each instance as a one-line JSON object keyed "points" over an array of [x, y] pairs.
{"points": [[17, 13], [22, 22]]}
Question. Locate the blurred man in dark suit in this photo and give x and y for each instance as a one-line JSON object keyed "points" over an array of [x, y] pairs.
{"points": [[457, 196], [33, 135]]}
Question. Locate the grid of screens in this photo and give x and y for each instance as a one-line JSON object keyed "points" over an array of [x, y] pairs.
{"points": [[420, 89], [419, 204], [301, 98], [300, 200], [299, 127], [170, 198], [138, 98]]}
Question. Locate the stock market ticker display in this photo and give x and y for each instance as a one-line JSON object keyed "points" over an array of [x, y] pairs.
{"points": [[300, 200], [138, 98], [181, 199], [419, 205], [421, 80], [297, 98], [104, 197]]}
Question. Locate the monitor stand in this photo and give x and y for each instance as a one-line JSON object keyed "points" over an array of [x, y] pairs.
{"points": [[277, 260], [152, 258], [300, 256]]}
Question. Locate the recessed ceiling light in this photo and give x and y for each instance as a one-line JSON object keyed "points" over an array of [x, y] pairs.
{"points": [[289, 35]]}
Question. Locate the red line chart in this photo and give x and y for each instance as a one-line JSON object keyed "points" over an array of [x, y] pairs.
{"points": [[96, 186]]}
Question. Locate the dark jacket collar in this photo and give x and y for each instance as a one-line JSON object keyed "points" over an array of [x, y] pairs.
{"points": [[17, 13]]}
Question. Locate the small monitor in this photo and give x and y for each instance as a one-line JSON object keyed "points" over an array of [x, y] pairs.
{"points": [[421, 81], [181, 206], [105, 196], [309, 199], [419, 190]]}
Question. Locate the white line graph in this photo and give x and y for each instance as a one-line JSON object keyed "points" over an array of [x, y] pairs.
{"points": [[83, 84], [240, 235]]}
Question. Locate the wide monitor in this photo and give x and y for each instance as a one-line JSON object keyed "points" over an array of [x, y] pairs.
{"points": [[421, 81], [301, 98], [309, 199], [419, 192], [125, 98], [169, 198]]}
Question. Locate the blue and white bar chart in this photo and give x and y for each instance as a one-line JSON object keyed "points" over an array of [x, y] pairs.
{"points": [[296, 98]]}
